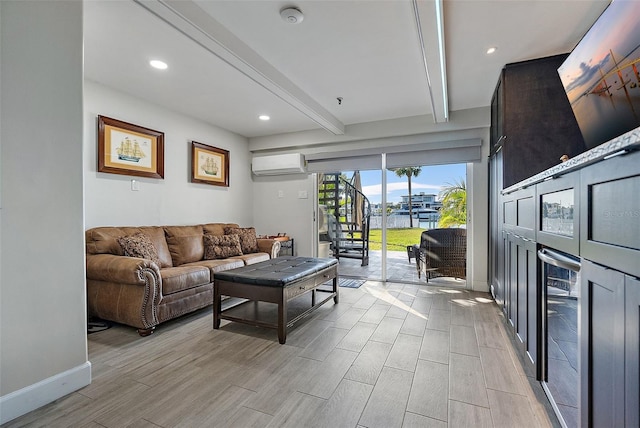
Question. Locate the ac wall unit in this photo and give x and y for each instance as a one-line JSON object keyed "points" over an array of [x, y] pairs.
{"points": [[323, 219], [291, 163]]}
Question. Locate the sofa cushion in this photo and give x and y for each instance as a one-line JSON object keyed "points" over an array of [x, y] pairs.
{"points": [[248, 239], [216, 228], [221, 247], [104, 240], [181, 278], [156, 235], [185, 243], [252, 258], [139, 245], [218, 265]]}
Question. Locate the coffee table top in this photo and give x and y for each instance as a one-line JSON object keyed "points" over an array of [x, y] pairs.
{"points": [[277, 272]]}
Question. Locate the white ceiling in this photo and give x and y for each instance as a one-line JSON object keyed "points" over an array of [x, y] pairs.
{"points": [[230, 61]]}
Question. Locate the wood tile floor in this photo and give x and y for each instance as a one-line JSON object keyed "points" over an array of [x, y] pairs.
{"points": [[399, 269], [388, 355]]}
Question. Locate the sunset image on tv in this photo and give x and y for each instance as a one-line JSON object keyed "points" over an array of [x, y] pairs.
{"points": [[602, 74]]}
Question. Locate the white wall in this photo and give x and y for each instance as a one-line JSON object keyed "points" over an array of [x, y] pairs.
{"points": [[43, 342], [109, 200], [278, 207], [478, 220]]}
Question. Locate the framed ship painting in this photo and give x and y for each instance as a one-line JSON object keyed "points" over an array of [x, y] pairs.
{"points": [[209, 165], [127, 149]]}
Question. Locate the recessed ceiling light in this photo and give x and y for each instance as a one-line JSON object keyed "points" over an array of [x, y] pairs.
{"points": [[491, 50], [160, 65], [264, 117]]}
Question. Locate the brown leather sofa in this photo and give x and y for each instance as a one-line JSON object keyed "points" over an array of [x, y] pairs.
{"points": [[143, 293]]}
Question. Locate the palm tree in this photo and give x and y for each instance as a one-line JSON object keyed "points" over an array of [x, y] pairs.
{"points": [[409, 172], [454, 204]]}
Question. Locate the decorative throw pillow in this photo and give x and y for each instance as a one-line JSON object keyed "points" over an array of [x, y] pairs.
{"points": [[221, 246], [248, 239], [139, 245]]}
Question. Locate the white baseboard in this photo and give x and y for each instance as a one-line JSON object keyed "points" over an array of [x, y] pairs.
{"points": [[44, 392]]}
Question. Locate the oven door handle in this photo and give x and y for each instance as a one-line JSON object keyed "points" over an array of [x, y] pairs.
{"points": [[557, 259]]}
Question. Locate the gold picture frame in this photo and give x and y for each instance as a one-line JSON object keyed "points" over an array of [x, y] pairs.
{"points": [[209, 165], [127, 149]]}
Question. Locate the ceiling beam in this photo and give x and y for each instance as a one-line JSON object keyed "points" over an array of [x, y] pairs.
{"points": [[461, 122], [432, 53], [423, 55], [442, 56], [192, 21]]}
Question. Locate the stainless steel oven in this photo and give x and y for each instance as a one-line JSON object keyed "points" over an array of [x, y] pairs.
{"points": [[560, 303]]}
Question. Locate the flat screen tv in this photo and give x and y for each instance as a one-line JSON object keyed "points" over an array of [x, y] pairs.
{"points": [[601, 76]]}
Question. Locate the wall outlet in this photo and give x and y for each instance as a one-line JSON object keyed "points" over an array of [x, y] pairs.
{"points": [[135, 185], [302, 194], [281, 193]]}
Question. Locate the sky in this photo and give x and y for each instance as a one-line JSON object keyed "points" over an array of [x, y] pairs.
{"points": [[430, 181]]}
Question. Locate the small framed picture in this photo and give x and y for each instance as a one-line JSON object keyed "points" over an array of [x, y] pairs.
{"points": [[127, 149], [209, 165]]}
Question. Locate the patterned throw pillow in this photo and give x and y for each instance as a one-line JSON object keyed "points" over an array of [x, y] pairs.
{"points": [[221, 246], [139, 245], [248, 239]]}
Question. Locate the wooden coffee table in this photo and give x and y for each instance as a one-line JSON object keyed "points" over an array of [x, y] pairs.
{"points": [[279, 281]]}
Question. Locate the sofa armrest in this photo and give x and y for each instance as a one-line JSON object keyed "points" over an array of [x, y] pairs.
{"points": [[270, 246], [121, 269], [124, 289]]}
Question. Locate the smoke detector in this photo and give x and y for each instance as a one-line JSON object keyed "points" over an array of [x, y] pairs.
{"points": [[291, 15]]}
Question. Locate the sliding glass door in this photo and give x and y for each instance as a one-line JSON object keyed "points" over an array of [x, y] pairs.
{"points": [[371, 219], [415, 204]]}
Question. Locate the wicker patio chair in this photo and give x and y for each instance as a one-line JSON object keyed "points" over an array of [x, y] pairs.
{"points": [[442, 252]]}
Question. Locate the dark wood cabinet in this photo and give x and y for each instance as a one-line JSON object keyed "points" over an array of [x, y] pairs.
{"points": [[610, 213], [527, 326], [588, 208], [531, 119], [610, 250], [514, 268], [497, 116], [610, 324], [496, 241], [521, 297], [599, 221], [632, 351]]}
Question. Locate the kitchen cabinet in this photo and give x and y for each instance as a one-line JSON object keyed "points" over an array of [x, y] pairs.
{"points": [[610, 213], [588, 209], [610, 325], [496, 241], [610, 250], [590, 212], [519, 264], [632, 351], [532, 122]]}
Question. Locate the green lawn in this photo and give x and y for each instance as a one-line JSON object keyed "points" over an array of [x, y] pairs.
{"points": [[397, 239]]}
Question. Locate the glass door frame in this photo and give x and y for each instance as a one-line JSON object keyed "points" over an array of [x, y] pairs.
{"points": [[384, 219]]}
